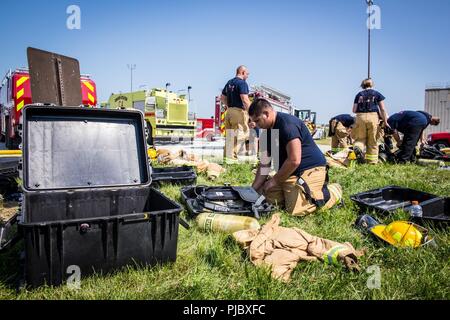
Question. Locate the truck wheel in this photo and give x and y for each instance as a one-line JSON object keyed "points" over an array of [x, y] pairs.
{"points": [[8, 142], [209, 137]]}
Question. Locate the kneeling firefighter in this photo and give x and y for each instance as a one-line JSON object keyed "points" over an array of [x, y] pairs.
{"points": [[301, 183], [340, 127]]}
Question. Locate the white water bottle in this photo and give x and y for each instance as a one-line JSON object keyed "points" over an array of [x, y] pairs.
{"points": [[415, 210]]}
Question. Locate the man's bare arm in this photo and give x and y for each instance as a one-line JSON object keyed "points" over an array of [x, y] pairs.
{"points": [[383, 113], [246, 101], [224, 100], [294, 157], [262, 172]]}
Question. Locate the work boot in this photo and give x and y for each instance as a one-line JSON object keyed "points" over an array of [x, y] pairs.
{"points": [[359, 155], [335, 190]]}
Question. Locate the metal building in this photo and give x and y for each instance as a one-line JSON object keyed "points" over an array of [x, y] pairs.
{"points": [[437, 103]]}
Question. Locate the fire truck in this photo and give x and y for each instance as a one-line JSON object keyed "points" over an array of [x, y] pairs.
{"points": [[205, 128], [15, 93], [166, 113]]}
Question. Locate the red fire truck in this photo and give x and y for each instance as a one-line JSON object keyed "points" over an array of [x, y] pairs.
{"points": [[205, 128], [15, 93]]}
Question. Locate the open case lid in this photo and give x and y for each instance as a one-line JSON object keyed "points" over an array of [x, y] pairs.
{"points": [[54, 78], [76, 147]]}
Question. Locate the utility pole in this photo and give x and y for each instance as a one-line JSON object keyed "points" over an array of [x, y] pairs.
{"points": [[369, 27], [131, 67], [189, 94]]}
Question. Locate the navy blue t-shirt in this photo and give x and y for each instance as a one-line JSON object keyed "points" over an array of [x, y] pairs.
{"points": [[367, 101], [405, 120], [233, 90], [290, 128], [346, 119]]}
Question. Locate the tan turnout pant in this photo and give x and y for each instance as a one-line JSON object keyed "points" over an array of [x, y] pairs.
{"points": [[237, 131], [291, 196], [365, 134]]}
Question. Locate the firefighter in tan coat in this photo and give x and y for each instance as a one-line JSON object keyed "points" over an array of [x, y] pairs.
{"points": [[369, 107]]}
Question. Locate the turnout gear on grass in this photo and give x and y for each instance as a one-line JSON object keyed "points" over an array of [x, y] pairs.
{"points": [[282, 248], [182, 158]]}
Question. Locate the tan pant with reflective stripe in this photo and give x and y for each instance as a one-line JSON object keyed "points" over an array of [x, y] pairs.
{"points": [[340, 137], [236, 119], [365, 134], [291, 196]]}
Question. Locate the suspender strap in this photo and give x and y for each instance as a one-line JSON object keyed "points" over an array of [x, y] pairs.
{"points": [[308, 194]]}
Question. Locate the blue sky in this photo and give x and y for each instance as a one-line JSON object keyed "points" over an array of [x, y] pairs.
{"points": [[315, 51]]}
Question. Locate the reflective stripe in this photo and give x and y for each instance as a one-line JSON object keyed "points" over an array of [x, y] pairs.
{"points": [[89, 86], [91, 98], [21, 81], [330, 257], [20, 105], [20, 93], [334, 190], [371, 156]]}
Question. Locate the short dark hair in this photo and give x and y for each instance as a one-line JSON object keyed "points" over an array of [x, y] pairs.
{"points": [[258, 106]]}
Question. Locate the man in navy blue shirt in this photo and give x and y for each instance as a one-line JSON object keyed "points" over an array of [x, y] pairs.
{"points": [[235, 97], [300, 184], [339, 131], [369, 107], [412, 125]]}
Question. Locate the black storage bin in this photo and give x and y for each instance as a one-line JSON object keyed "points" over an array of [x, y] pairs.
{"points": [[388, 199], [183, 175], [87, 196]]}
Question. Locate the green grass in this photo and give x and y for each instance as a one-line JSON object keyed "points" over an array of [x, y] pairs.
{"points": [[212, 266]]}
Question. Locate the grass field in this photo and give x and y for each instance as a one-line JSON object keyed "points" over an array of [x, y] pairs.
{"points": [[212, 266]]}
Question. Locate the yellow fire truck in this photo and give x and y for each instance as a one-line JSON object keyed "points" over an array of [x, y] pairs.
{"points": [[166, 113]]}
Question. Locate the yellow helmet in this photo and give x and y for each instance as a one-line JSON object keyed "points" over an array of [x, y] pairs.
{"points": [[401, 234]]}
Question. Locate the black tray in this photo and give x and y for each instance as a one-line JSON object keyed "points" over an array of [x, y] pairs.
{"points": [[184, 175], [391, 198]]}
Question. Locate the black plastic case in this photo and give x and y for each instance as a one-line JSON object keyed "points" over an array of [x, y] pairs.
{"points": [[87, 201], [436, 210]]}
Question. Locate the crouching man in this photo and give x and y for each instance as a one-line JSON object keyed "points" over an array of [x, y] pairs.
{"points": [[340, 128], [300, 186], [412, 125]]}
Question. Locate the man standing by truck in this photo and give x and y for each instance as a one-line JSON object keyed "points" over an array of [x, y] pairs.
{"points": [[300, 185], [235, 97], [369, 107], [412, 125], [339, 131]]}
